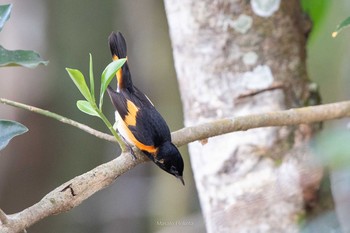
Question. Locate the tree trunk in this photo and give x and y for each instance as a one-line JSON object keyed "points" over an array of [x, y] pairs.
{"points": [[236, 57]]}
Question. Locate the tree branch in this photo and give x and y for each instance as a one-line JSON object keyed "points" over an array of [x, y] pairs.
{"points": [[305, 115], [59, 118], [296, 116], [71, 193], [78, 189]]}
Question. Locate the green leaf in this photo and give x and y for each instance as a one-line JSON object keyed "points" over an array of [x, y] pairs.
{"points": [[108, 74], [26, 58], [8, 130], [91, 74], [79, 81], [332, 147], [5, 11], [86, 107], [341, 26]]}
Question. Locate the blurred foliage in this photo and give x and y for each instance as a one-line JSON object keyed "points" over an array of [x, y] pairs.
{"points": [[25, 58], [8, 130], [315, 8], [324, 223], [5, 12], [29, 59], [332, 147], [327, 57]]}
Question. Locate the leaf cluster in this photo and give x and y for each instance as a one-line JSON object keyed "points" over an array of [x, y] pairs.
{"points": [[30, 59], [90, 106], [25, 58]]}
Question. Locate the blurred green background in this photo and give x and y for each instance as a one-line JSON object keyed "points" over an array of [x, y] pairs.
{"points": [[65, 32]]}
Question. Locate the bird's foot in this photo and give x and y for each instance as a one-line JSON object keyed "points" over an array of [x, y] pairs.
{"points": [[132, 152]]}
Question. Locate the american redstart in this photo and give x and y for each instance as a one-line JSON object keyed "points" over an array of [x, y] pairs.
{"points": [[137, 120]]}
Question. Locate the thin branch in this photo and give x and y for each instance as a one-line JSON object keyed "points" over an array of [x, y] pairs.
{"points": [[59, 118], [296, 116], [305, 115]]}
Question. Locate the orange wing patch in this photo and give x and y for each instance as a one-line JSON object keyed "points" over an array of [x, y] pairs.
{"points": [[130, 137], [130, 119]]}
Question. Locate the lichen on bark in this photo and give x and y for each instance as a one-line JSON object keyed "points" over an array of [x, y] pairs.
{"points": [[251, 180]]}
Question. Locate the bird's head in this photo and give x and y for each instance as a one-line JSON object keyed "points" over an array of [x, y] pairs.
{"points": [[169, 159]]}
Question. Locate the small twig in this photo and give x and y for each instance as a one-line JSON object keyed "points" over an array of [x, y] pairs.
{"points": [[59, 118], [250, 93], [3, 217]]}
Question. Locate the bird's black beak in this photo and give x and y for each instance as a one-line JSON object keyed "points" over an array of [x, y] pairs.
{"points": [[181, 179]]}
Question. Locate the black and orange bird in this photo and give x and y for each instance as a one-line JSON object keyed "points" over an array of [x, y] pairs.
{"points": [[137, 120]]}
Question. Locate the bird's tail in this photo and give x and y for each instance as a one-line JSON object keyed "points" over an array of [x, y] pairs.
{"points": [[117, 46]]}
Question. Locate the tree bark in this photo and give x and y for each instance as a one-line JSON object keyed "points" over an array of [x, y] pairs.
{"points": [[237, 57]]}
